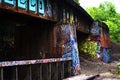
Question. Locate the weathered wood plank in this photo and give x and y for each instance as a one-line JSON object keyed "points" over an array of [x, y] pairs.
{"points": [[16, 73], [56, 71], [40, 69], [28, 62], [30, 73], [1, 73], [62, 70], [70, 68], [49, 71]]}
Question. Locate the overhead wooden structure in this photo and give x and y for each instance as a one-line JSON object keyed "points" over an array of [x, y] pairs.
{"points": [[29, 29]]}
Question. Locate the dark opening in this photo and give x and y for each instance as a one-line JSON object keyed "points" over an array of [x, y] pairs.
{"points": [[81, 37], [24, 37]]}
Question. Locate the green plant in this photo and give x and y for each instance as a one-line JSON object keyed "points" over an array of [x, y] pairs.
{"points": [[88, 47], [118, 66], [110, 17]]}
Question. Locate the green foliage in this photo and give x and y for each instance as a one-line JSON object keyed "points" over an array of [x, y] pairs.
{"points": [[77, 1], [118, 66], [106, 13], [88, 47]]}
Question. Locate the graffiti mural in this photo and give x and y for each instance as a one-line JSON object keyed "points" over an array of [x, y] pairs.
{"points": [[22, 4], [107, 57], [41, 6], [32, 5], [67, 39], [100, 34], [9, 2]]}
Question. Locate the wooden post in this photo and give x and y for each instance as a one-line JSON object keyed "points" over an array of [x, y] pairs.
{"points": [[30, 73], [16, 73], [40, 69], [49, 71], [62, 70], [12, 73], [70, 68], [27, 74], [56, 70], [1, 73], [46, 71]]}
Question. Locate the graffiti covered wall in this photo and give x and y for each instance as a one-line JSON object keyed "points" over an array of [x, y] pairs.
{"points": [[66, 39], [100, 34]]}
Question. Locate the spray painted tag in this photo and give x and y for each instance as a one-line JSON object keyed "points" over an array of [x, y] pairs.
{"points": [[22, 4], [32, 5], [41, 6], [9, 2]]}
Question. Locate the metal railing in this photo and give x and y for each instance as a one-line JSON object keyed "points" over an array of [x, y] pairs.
{"points": [[43, 69]]}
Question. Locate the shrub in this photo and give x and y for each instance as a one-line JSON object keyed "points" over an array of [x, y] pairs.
{"points": [[88, 47], [118, 66]]}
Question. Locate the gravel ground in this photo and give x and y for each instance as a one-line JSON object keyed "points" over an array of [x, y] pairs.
{"points": [[89, 67], [107, 71], [104, 71], [92, 69]]}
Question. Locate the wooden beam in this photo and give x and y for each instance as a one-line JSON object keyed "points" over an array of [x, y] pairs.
{"points": [[1, 73], [40, 69], [16, 73], [62, 70], [56, 71], [49, 71]]}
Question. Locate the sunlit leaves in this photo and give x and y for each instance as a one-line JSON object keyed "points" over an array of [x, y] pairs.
{"points": [[106, 13], [88, 47]]}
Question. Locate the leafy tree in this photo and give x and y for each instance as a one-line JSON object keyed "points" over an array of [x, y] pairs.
{"points": [[77, 1], [106, 13]]}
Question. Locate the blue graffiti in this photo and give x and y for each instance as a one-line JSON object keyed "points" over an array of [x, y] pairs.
{"points": [[75, 56], [67, 55], [32, 5], [22, 3], [107, 57], [9, 2], [73, 52]]}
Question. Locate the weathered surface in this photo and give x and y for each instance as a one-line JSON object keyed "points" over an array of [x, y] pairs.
{"points": [[102, 76], [79, 77]]}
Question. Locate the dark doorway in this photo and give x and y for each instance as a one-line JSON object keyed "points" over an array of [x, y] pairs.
{"points": [[81, 37]]}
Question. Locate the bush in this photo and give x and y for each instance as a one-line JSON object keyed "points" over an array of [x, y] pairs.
{"points": [[118, 66], [88, 47]]}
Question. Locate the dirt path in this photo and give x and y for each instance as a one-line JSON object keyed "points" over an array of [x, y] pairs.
{"points": [[91, 66], [97, 66]]}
